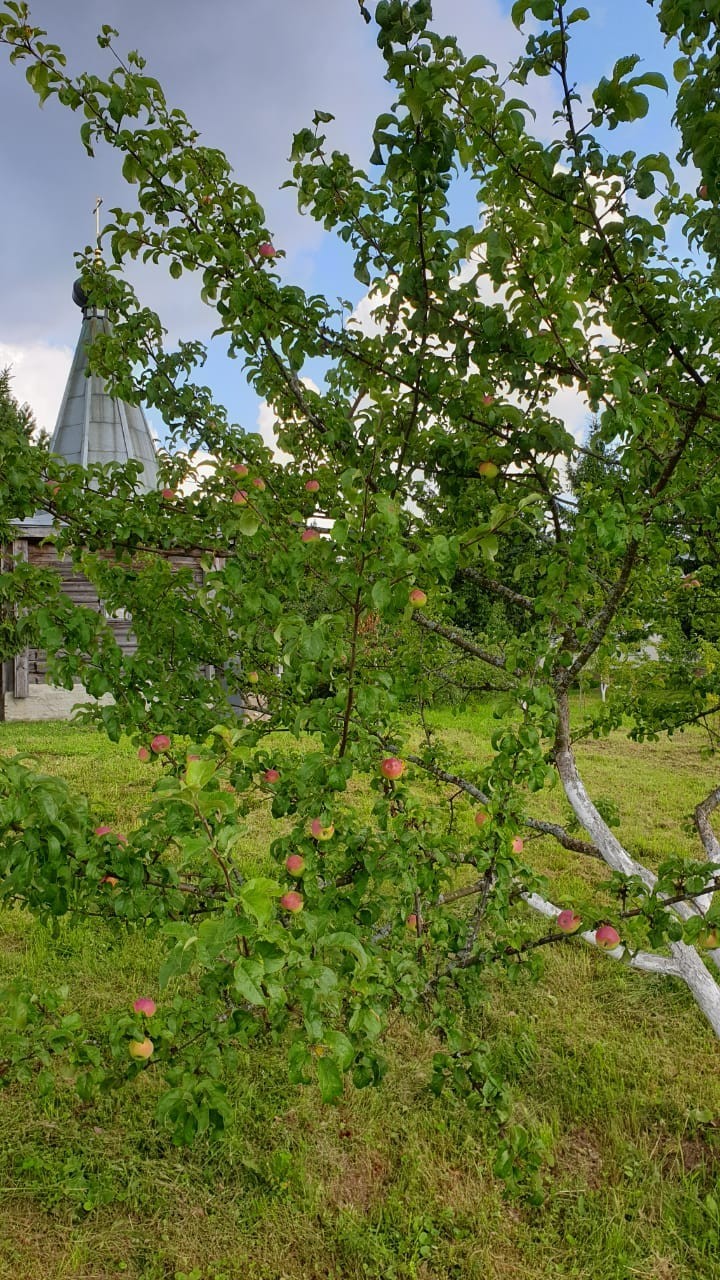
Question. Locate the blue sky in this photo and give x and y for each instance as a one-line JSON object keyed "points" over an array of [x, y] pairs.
{"points": [[248, 75]]}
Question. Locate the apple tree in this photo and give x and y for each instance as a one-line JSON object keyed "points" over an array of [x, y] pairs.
{"points": [[433, 454]]}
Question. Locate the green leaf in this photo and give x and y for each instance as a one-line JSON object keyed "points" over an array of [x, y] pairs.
{"points": [[248, 524], [199, 772], [347, 942], [330, 1079], [245, 986], [342, 1048], [257, 897]]}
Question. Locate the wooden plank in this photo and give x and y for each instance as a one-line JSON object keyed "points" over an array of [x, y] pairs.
{"points": [[21, 660]]}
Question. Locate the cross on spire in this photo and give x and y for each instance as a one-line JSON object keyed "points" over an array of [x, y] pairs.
{"points": [[96, 211]]}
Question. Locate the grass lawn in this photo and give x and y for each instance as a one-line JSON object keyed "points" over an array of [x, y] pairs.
{"points": [[618, 1070]]}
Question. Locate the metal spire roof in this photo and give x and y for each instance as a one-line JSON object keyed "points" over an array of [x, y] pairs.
{"points": [[94, 426]]}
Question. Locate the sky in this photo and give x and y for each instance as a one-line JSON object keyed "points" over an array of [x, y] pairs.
{"points": [[248, 73]]}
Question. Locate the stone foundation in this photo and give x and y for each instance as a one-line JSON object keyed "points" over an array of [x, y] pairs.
{"points": [[47, 703]]}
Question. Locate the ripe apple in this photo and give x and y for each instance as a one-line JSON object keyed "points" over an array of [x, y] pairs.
{"points": [[168, 494], [488, 399], [258, 482], [703, 191], [141, 1048], [271, 775], [292, 902], [488, 470], [480, 818], [606, 937], [392, 768], [319, 832], [312, 486], [417, 597], [111, 880], [568, 921], [239, 497], [52, 487], [103, 831], [295, 864], [517, 845], [310, 535], [710, 940], [239, 468], [145, 1005], [266, 250], [411, 922], [143, 754], [160, 743]]}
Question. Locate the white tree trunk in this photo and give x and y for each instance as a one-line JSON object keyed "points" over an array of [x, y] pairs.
{"points": [[687, 963]]}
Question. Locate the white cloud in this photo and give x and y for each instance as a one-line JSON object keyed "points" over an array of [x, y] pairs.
{"points": [[39, 372], [267, 422]]}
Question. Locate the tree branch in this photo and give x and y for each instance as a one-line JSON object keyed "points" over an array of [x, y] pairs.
{"points": [[461, 642]]}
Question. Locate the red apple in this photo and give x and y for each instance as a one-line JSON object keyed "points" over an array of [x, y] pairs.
{"points": [[111, 880], [144, 1005], [517, 845], [319, 832], [292, 902], [417, 597], [143, 754], [239, 497], [606, 937], [488, 399], [480, 818], [310, 535], [295, 864], [271, 775], [141, 1048], [258, 482], [168, 494], [312, 486], [703, 191], [103, 831], [266, 250], [488, 470], [392, 768], [239, 468], [160, 743], [411, 922], [52, 487], [568, 921]]}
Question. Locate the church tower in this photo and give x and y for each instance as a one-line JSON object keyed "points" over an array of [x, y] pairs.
{"points": [[93, 426]]}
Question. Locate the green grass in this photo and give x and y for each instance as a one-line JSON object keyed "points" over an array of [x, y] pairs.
{"points": [[617, 1069]]}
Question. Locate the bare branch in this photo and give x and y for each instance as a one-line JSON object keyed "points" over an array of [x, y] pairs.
{"points": [[644, 960], [499, 589], [536, 824], [460, 641], [711, 844]]}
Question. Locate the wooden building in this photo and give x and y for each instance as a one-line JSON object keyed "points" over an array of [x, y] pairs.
{"points": [[93, 426]]}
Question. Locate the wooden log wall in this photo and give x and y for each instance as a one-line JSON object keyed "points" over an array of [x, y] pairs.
{"points": [[31, 665]]}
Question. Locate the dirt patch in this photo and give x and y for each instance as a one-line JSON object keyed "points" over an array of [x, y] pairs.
{"points": [[578, 1159], [357, 1180], [687, 1155]]}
